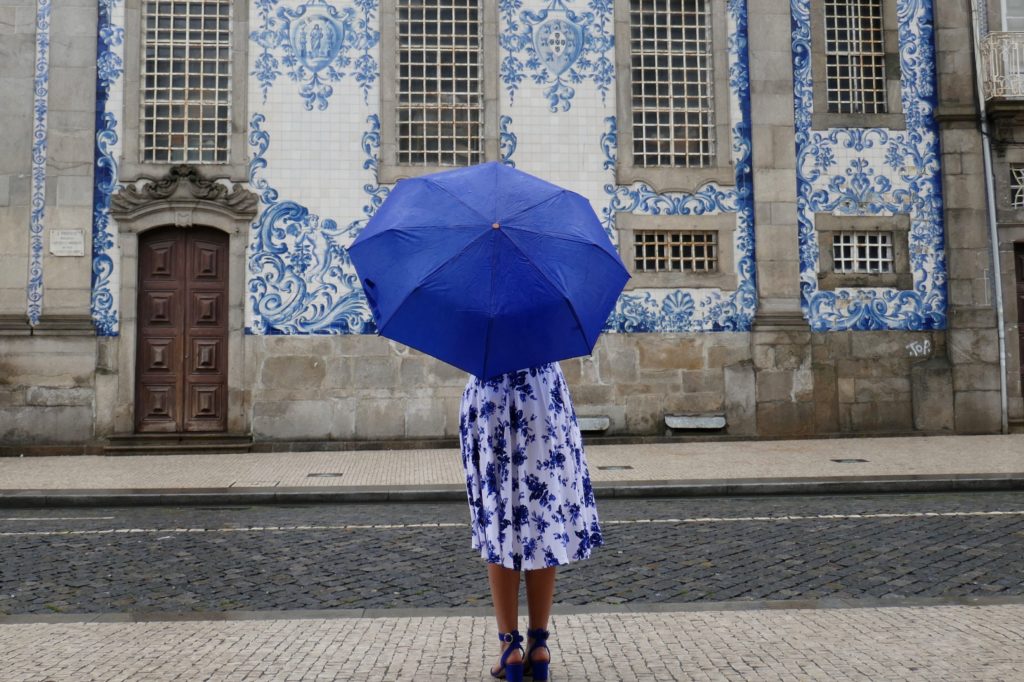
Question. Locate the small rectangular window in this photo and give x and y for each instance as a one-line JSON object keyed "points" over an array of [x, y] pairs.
{"points": [[186, 81], [440, 92], [1017, 186], [862, 252], [675, 251], [855, 56], [672, 77]]}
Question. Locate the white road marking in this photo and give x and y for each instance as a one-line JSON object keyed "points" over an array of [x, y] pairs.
{"points": [[56, 518], [403, 526]]}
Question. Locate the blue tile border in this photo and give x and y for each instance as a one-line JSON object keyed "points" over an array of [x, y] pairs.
{"points": [[696, 310], [109, 68], [40, 91], [842, 171]]}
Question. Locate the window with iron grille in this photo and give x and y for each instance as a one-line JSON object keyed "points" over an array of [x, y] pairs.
{"points": [[675, 251], [862, 252], [439, 94], [671, 67], [186, 72], [855, 56], [1017, 186]]}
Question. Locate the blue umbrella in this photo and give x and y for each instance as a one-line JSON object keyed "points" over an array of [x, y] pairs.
{"points": [[489, 269]]}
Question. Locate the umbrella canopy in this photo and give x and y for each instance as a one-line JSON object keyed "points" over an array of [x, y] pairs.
{"points": [[489, 269]]}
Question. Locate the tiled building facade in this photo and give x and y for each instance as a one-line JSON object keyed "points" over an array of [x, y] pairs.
{"points": [[797, 186]]}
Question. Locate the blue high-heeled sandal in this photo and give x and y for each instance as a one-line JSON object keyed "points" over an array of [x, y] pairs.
{"points": [[538, 669], [513, 672]]}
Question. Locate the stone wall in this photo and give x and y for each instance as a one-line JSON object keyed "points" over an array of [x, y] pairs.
{"points": [[368, 388], [972, 340], [46, 390]]}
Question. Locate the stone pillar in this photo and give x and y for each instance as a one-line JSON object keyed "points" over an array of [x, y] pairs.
{"points": [[71, 124], [781, 339], [972, 356], [17, 44]]}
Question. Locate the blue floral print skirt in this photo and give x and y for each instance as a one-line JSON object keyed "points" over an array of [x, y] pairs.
{"points": [[531, 503]]}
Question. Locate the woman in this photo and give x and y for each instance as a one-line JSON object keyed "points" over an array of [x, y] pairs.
{"points": [[530, 500]]}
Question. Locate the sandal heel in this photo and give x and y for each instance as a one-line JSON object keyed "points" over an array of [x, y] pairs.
{"points": [[514, 672], [538, 670]]}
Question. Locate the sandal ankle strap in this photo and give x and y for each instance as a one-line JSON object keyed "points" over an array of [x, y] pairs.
{"points": [[512, 637], [539, 635]]}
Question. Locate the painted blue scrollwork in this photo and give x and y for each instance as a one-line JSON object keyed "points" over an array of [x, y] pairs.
{"points": [[40, 106], [667, 310], [557, 46], [874, 171], [507, 140], [313, 44], [301, 280], [109, 69]]}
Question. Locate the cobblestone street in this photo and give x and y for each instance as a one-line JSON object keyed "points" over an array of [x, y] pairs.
{"points": [[794, 645], [417, 555]]}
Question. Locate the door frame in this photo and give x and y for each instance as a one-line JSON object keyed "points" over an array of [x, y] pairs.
{"points": [[182, 199]]}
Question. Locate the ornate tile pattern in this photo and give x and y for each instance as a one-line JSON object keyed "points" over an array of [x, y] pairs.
{"points": [[40, 87], [301, 280], [550, 43], [316, 44], [874, 171], [109, 70], [694, 310]]}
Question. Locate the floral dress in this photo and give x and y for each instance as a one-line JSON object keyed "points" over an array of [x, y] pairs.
{"points": [[530, 499]]}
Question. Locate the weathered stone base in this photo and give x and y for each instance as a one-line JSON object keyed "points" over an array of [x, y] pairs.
{"points": [[776, 381]]}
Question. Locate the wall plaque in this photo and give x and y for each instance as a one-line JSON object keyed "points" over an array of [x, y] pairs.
{"points": [[67, 242]]}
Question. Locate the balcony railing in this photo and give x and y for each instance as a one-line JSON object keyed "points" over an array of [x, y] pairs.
{"points": [[1002, 63]]}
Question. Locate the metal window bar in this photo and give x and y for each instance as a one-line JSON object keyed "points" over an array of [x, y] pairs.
{"points": [[855, 56], [1017, 186], [675, 251], [439, 94], [673, 107], [862, 252], [186, 86]]}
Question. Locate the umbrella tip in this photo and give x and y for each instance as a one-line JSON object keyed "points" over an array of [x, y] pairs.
{"points": [[495, 225]]}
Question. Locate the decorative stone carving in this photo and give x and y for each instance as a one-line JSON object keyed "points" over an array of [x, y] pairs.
{"points": [[183, 185]]}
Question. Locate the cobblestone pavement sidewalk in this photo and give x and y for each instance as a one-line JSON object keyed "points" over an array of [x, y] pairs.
{"points": [[806, 459], [892, 643]]}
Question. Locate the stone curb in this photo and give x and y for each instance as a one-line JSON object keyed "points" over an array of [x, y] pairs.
{"points": [[559, 610], [925, 483]]}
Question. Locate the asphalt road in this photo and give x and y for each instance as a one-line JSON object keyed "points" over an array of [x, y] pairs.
{"points": [[171, 559]]}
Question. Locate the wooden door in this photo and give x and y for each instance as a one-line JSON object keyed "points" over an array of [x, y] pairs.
{"points": [[1018, 261], [181, 361]]}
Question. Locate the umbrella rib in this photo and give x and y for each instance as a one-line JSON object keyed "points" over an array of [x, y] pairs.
{"points": [[416, 227], [533, 206], [557, 288], [457, 198], [429, 275], [490, 310]]}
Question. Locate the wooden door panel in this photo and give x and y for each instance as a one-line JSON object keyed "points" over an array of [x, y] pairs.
{"points": [[205, 308], [181, 364], [206, 328], [158, 356], [207, 356]]}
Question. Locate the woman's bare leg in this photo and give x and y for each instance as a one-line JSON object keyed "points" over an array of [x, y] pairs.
{"points": [[540, 594], [505, 594]]}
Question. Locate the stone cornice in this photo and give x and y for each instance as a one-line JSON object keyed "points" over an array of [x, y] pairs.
{"points": [[183, 186]]}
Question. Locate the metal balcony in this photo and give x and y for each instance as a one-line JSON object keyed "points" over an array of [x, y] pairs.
{"points": [[1002, 64]]}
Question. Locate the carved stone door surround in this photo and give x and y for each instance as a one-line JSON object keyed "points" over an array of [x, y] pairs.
{"points": [[183, 198]]}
